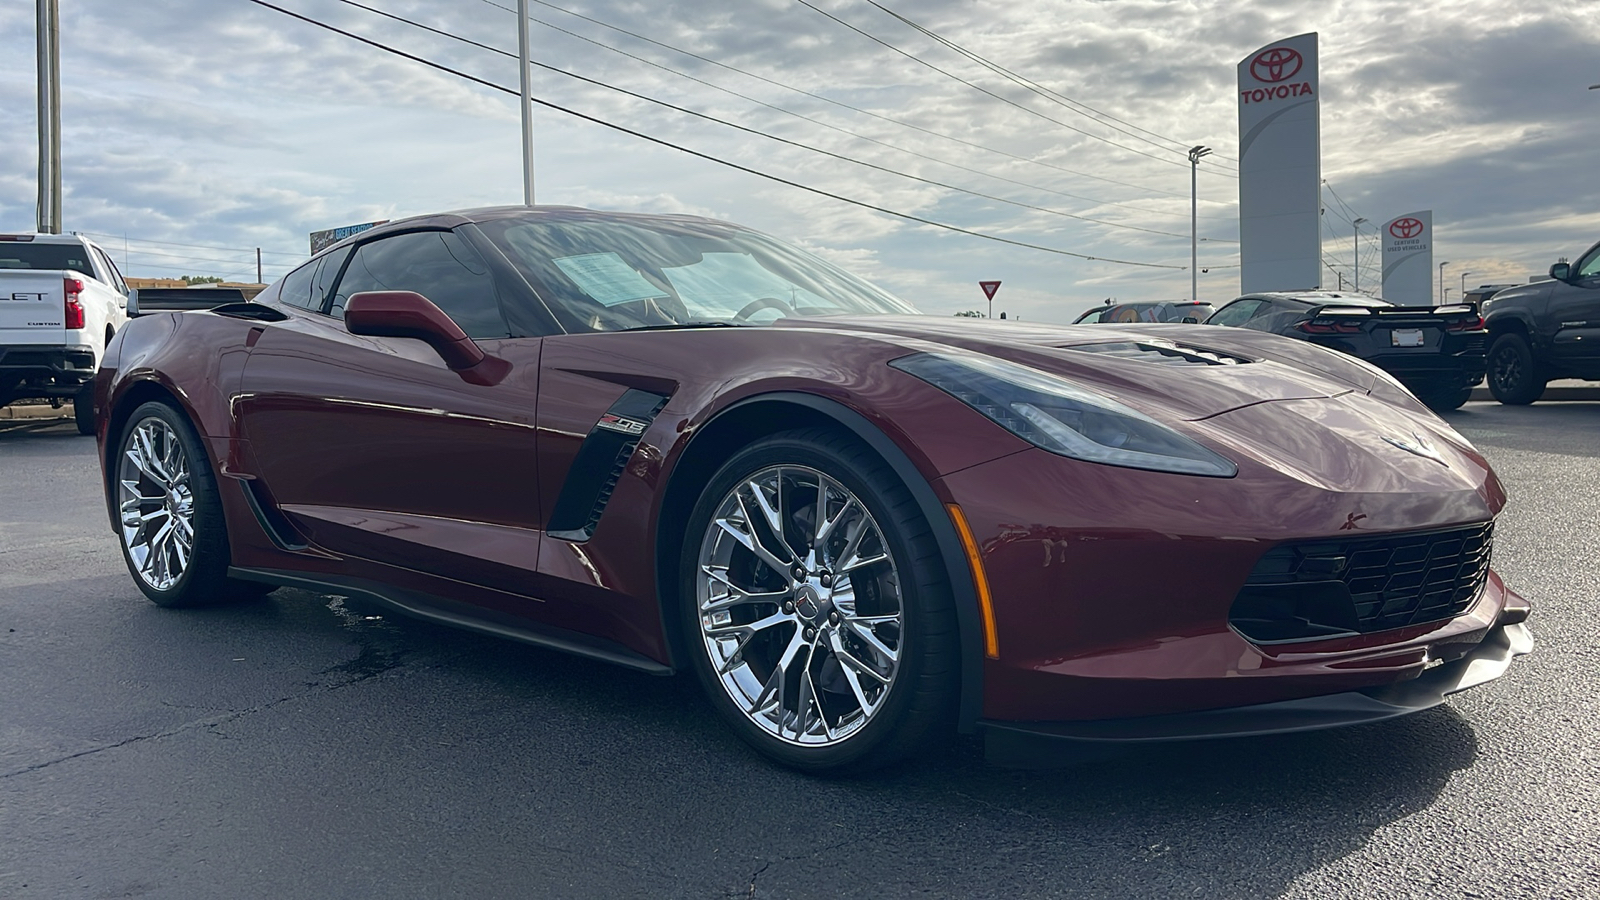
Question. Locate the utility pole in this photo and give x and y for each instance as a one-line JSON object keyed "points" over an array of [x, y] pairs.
{"points": [[527, 103], [1356, 226], [1195, 153], [258, 266], [49, 32]]}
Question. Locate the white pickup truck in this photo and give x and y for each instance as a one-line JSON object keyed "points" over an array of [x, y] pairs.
{"points": [[61, 300]]}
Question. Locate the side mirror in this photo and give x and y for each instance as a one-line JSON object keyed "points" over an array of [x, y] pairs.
{"points": [[406, 314], [1190, 320], [1561, 271]]}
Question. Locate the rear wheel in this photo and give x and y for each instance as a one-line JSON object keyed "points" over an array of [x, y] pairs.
{"points": [[816, 605], [174, 538], [83, 409], [1444, 397], [1514, 378]]}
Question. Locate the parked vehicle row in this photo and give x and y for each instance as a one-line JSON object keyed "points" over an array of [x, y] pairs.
{"points": [[61, 300]]}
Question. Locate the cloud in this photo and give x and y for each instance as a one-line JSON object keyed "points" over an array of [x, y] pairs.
{"points": [[228, 125]]}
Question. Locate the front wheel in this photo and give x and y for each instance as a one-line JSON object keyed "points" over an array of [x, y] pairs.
{"points": [[1514, 377], [816, 605]]}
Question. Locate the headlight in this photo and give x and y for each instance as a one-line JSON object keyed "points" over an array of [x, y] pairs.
{"points": [[1059, 416]]}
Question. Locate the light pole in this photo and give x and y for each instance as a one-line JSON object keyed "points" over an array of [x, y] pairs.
{"points": [[1464, 284], [1441, 281], [1195, 153], [527, 103], [49, 60], [1356, 227]]}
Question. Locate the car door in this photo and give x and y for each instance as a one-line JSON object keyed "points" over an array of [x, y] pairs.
{"points": [[371, 447], [1574, 314]]}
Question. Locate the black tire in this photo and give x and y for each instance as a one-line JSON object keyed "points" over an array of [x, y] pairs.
{"points": [[204, 579], [1514, 377], [917, 709], [1444, 398], [83, 409]]}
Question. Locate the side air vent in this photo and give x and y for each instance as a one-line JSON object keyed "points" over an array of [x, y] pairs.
{"points": [[600, 462], [1162, 353]]}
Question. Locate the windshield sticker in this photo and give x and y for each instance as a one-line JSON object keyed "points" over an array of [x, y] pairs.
{"points": [[607, 279]]}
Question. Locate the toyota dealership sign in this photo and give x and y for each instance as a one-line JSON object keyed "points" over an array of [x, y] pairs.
{"points": [[1280, 167], [1408, 259]]}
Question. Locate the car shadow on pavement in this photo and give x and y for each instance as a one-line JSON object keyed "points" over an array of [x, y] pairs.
{"points": [[623, 766]]}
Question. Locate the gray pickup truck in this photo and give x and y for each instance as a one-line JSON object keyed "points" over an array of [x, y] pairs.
{"points": [[1545, 330]]}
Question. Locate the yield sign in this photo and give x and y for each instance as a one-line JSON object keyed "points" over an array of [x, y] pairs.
{"points": [[989, 288]]}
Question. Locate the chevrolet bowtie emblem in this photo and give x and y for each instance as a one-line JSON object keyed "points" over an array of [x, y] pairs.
{"points": [[1420, 446]]}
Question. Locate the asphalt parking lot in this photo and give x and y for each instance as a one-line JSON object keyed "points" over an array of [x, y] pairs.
{"points": [[303, 747]]}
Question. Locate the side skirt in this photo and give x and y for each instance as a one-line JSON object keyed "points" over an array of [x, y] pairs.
{"points": [[459, 615]]}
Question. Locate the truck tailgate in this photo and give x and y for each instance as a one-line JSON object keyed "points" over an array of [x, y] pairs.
{"points": [[31, 307]]}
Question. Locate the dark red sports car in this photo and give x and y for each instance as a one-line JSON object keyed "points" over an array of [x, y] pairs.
{"points": [[675, 444]]}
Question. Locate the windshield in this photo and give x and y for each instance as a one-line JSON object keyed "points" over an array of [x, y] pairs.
{"points": [[617, 275]]}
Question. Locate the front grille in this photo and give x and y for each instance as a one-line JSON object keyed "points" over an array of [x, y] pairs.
{"points": [[1358, 585]]}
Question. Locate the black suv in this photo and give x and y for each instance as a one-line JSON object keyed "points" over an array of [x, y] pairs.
{"points": [[1545, 330], [1437, 352]]}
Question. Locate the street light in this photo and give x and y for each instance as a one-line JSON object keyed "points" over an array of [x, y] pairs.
{"points": [[1356, 227], [1464, 284], [1195, 153], [1441, 282]]}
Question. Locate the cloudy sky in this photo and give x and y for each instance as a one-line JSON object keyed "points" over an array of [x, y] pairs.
{"points": [[196, 130]]}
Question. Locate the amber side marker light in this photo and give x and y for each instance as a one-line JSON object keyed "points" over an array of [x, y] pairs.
{"points": [[991, 639]]}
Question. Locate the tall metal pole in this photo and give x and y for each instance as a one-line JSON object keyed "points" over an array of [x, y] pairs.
{"points": [[49, 32], [1441, 282], [527, 103], [1195, 152], [1356, 226]]}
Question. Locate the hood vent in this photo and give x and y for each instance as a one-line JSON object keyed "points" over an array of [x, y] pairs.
{"points": [[1163, 353]]}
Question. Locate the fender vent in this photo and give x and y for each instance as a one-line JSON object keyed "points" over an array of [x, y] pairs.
{"points": [[602, 458]]}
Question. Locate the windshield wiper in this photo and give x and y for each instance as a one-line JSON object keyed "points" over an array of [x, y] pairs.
{"points": [[709, 323]]}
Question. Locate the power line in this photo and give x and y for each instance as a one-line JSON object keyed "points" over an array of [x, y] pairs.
{"points": [[983, 90], [855, 134], [705, 156], [759, 133], [123, 237], [1077, 106], [841, 104]]}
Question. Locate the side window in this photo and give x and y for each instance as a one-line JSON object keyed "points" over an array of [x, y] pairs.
{"points": [[322, 282], [296, 289], [1273, 317], [113, 277], [1235, 313], [1092, 317], [436, 264], [1589, 266]]}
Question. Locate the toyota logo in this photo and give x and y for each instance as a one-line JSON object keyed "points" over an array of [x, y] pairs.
{"points": [[1405, 228], [1277, 64]]}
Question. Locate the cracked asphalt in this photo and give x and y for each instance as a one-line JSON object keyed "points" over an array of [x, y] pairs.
{"points": [[304, 746]]}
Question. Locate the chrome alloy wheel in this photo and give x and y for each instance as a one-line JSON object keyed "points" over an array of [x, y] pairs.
{"points": [[799, 605], [157, 503]]}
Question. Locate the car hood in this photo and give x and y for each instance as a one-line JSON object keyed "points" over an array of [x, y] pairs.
{"points": [[1178, 372]]}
